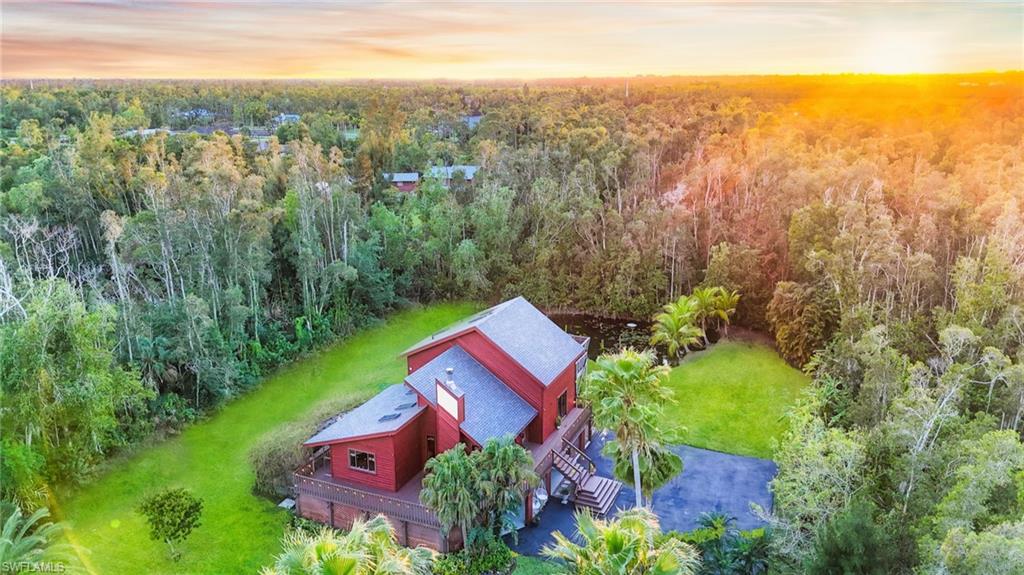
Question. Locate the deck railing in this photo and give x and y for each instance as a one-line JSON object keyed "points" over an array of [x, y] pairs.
{"points": [[328, 490], [574, 422]]}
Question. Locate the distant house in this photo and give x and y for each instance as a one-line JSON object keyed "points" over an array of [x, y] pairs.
{"points": [[446, 174], [508, 371], [145, 133], [195, 115], [404, 181], [472, 121], [282, 119]]}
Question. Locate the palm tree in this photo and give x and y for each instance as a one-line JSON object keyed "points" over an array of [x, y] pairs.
{"points": [[450, 489], [705, 304], [629, 544], [626, 395], [506, 471], [675, 327], [725, 306], [27, 539], [369, 548]]}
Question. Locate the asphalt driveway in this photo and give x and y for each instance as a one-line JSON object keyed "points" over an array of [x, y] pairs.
{"points": [[710, 482]]}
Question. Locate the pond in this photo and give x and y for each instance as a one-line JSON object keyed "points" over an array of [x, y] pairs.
{"points": [[606, 334]]}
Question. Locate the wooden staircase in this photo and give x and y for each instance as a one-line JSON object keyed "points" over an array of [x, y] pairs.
{"points": [[592, 492]]}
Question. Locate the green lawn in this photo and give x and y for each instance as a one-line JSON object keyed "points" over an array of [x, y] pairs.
{"points": [[733, 397], [536, 566], [239, 532]]}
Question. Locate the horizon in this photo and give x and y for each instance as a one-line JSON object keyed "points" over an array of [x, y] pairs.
{"points": [[500, 41]]}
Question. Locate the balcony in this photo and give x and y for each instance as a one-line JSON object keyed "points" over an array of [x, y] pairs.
{"points": [[314, 479], [574, 422]]}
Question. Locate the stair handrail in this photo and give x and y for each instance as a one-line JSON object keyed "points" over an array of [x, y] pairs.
{"points": [[572, 465], [591, 466]]}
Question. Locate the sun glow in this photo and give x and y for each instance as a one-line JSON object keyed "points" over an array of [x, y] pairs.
{"points": [[896, 53]]}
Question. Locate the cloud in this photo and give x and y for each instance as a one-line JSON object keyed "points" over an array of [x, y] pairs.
{"points": [[268, 38]]}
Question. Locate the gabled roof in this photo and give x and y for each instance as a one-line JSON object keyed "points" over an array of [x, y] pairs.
{"points": [[521, 331], [402, 177], [448, 172], [386, 412], [491, 408]]}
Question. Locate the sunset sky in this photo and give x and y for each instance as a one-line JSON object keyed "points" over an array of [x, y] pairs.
{"points": [[301, 39]]}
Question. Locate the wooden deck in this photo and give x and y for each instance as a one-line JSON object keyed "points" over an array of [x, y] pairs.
{"points": [[574, 422], [314, 479]]}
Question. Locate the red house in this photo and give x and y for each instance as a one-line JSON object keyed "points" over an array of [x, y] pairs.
{"points": [[506, 371]]}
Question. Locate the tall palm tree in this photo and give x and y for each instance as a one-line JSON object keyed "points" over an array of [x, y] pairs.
{"points": [[450, 488], [27, 539], [675, 327], [625, 391], [629, 544], [369, 548]]}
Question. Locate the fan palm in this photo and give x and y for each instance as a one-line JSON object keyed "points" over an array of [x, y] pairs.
{"points": [[27, 539], [369, 548], [675, 327], [629, 545], [626, 394]]}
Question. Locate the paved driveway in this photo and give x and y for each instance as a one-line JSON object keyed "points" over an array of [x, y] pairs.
{"points": [[710, 481]]}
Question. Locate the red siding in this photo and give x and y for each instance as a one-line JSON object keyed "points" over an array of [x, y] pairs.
{"points": [[381, 448], [448, 433], [408, 454], [564, 382], [397, 457]]}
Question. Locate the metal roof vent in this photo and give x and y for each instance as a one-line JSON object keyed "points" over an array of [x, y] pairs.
{"points": [[389, 417], [402, 406]]}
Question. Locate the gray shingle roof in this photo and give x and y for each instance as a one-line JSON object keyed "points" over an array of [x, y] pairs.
{"points": [[374, 416], [402, 177], [492, 409], [524, 333]]}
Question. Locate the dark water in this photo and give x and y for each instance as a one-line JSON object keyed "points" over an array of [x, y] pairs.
{"points": [[606, 335]]}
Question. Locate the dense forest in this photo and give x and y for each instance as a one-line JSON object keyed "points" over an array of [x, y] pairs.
{"points": [[874, 226]]}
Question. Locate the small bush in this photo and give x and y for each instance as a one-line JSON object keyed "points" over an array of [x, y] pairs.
{"points": [[279, 452], [491, 558]]}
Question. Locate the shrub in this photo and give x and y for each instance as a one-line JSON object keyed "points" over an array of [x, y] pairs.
{"points": [[490, 558], [279, 452], [724, 549]]}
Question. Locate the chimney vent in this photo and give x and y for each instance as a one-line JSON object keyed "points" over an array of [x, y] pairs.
{"points": [[451, 379]]}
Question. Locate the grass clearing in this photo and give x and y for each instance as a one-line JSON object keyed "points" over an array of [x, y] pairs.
{"points": [[734, 396], [239, 532]]}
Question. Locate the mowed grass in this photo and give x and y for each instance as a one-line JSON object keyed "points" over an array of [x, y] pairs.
{"points": [[239, 532], [733, 397], [537, 566]]}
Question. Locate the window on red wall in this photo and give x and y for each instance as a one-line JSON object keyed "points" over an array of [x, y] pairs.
{"points": [[563, 403], [362, 461]]}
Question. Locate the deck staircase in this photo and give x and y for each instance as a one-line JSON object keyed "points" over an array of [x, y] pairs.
{"points": [[591, 491]]}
